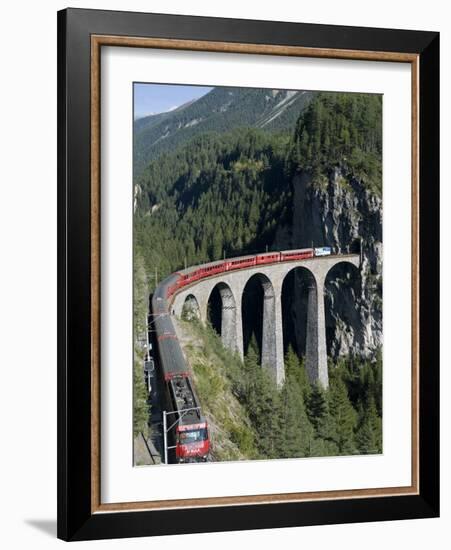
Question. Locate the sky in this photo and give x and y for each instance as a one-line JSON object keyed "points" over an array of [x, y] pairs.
{"points": [[151, 99]]}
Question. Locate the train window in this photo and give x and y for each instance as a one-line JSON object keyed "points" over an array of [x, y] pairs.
{"points": [[192, 436]]}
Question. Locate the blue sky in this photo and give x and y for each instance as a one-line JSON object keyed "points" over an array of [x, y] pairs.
{"points": [[151, 99]]}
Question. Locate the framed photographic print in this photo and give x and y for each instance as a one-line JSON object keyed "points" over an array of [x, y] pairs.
{"points": [[248, 274]]}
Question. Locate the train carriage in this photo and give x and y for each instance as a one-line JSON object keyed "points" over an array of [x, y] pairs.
{"points": [[300, 254], [268, 258], [240, 263]]}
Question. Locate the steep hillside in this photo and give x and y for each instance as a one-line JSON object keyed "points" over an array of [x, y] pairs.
{"points": [[250, 418], [219, 194], [221, 110], [231, 433]]}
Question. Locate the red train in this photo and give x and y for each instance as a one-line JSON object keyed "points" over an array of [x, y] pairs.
{"points": [[207, 270], [192, 442]]}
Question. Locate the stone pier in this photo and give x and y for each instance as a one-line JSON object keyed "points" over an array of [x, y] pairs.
{"points": [[228, 316], [315, 345]]}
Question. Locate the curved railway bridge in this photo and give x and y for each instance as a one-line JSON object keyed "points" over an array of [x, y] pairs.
{"points": [[231, 285]]}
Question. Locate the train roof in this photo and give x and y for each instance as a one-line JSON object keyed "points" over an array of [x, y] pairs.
{"points": [[215, 263], [183, 393], [236, 258], [293, 251], [194, 267], [172, 359], [248, 257]]}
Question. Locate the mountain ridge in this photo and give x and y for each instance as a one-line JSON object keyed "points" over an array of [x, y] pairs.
{"points": [[220, 110]]}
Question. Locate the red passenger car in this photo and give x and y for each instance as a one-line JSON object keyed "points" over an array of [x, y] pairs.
{"points": [[301, 254], [268, 258], [240, 263], [194, 275], [213, 269]]}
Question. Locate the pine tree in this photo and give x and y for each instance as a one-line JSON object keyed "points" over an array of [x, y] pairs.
{"points": [[251, 368], [295, 369], [343, 417], [366, 438], [253, 348], [377, 388], [323, 447], [291, 363], [295, 433], [369, 433], [217, 244], [262, 403], [317, 406]]}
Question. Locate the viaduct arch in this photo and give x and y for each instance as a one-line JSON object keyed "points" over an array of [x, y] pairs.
{"points": [[231, 287]]}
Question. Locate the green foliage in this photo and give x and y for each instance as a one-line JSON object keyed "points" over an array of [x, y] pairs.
{"points": [[219, 382], [297, 420], [217, 195], [317, 407], [343, 417], [140, 405], [261, 400], [140, 294], [356, 385], [340, 130], [244, 439], [295, 432], [295, 371], [210, 384], [221, 110], [369, 433]]}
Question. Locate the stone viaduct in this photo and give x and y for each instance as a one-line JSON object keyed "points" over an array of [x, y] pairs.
{"points": [[231, 287]]}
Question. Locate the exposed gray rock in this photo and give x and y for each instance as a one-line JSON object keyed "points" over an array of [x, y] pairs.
{"points": [[342, 213]]}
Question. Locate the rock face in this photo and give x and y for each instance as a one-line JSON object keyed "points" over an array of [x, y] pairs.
{"points": [[339, 212]]}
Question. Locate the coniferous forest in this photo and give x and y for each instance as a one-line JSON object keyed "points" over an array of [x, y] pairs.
{"points": [[227, 191], [297, 420]]}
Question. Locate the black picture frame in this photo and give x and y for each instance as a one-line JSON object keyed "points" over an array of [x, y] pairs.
{"points": [[76, 521]]}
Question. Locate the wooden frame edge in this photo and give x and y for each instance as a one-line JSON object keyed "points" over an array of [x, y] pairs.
{"points": [[236, 47], [262, 49], [95, 276], [280, 498]]}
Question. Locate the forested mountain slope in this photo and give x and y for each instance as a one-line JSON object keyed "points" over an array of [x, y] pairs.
{"points": [[221, 110]]}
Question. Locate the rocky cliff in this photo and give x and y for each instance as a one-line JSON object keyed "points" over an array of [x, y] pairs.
{"points": [[343, 213]]}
